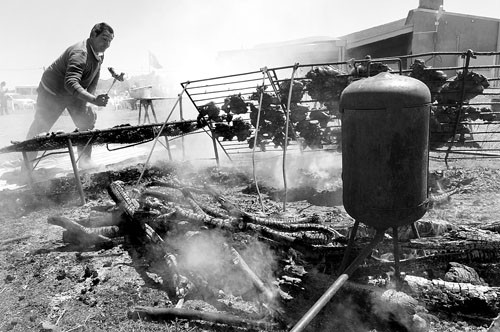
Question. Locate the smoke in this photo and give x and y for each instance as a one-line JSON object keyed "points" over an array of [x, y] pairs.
{"points": [[208, 254], [319, 169]]}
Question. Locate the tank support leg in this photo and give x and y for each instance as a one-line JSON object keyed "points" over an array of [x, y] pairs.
{"points": [[348, 251], [415, 230], [397, 272]]}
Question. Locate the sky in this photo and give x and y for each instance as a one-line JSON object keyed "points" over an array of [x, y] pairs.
{"points": [[184, 35]]}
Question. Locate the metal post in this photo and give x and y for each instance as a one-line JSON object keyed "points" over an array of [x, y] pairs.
{"points": [[348, 250], [146, 111], [75, 171], [214, 143], [285, 144], [168, 148], [181, 114], [140, 109], [29, 170], [397, 272], [415, 230], [150, 102], [467, 55]]}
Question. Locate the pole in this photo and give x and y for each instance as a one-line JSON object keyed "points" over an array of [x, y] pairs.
{"points": [[181, 113], [285, 144], [75, 171]]}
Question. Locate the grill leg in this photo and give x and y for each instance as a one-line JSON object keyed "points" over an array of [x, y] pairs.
{"points": [[75, 171], [29, 171], [153, 110], [146, 112], [168, 148], [140, 109]]}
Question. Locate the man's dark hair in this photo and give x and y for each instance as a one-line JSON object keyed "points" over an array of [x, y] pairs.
{"points": [[100, 28]]}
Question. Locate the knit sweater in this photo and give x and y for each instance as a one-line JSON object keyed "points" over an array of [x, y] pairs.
{"points": [[76, 70]]}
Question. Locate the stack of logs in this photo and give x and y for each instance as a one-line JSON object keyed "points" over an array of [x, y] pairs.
{"points": [[147, 218]]}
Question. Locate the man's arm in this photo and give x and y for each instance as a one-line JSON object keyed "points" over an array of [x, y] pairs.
{"points": [[73, 77]]}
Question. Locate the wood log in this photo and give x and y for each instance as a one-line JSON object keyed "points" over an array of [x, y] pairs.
{"points": [[167, 197], [141, 312], [268, 294], [234, 210], [84, 234], [455, 297], [230, 224], [117, 192], [101, 219]]}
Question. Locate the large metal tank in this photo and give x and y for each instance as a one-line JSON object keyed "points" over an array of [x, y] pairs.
{"points": [[385, 140]]}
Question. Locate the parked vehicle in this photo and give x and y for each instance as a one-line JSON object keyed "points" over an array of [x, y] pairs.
{"points": [[18, 102]]}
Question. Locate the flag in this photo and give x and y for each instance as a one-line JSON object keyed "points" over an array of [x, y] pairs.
{"points": [[153, 61]]}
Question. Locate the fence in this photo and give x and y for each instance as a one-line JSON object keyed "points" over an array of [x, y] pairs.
{"points": [[465, 111]]}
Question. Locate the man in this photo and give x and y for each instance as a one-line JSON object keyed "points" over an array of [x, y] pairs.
{"points": [[70, 83], [3, 99]]}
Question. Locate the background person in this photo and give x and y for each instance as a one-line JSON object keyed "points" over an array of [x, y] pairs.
{"points": [[70, 83], [3, 99]]}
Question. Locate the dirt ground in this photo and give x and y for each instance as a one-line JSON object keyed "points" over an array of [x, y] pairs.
{"points": [[49, 285]]}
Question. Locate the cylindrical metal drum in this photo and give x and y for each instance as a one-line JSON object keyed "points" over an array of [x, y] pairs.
{"points": [[385, 149]]}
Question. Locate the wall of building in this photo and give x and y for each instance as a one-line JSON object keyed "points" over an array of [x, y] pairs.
{"points": [[417, 34], [278, 55], [399, 45], [454, 33]]}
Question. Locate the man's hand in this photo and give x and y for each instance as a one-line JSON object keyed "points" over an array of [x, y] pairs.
{"points": [[101, 100]]}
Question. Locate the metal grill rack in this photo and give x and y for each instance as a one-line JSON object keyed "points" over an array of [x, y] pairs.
{"points": [[465, 121], [123, 134]]}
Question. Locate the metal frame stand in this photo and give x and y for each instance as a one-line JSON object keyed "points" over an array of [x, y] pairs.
{"points": [[147, 103]]}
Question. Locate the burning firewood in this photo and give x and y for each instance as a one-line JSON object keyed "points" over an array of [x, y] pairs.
{"points": [[475, 300], [233, 209], [268, 294], [142, 312], [100, 219], [84, 235]]}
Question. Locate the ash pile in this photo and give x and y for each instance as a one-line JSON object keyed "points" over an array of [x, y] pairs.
{"points": [[202, 246], [219, 260]]}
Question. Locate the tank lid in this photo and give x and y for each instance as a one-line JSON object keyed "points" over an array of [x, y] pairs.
{"points": [[385, 90]]}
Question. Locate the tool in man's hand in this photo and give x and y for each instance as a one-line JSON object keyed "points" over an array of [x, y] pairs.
{"points": [[116, 77]]}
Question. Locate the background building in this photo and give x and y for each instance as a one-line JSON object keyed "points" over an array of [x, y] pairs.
{"points": [[426, 29]]}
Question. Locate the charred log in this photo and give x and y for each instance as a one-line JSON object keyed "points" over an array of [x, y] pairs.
{"points": [[473, 300], [85, 235], [141, 312]]}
